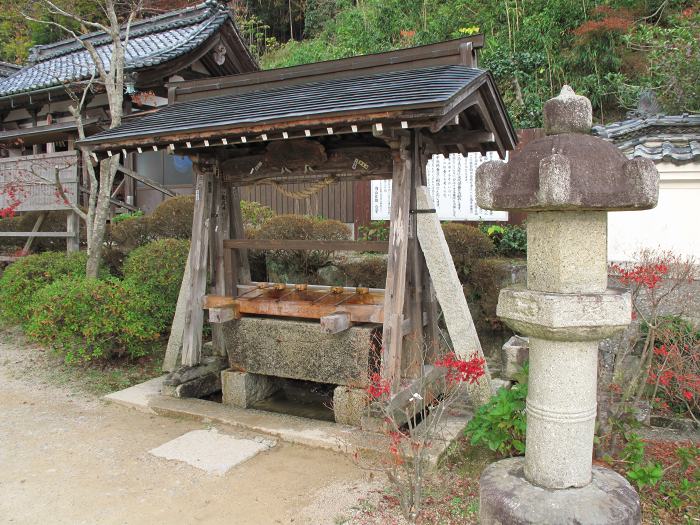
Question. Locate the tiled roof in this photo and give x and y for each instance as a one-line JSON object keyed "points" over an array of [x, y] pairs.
{"points": [[427, 86], [661, 137], [152, 41], [7, 69]]}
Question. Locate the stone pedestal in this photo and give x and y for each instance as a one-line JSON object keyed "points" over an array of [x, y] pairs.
{"points": [[508, 498], [566, 182]]}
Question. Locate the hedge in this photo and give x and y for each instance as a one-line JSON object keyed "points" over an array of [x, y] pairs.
{"points": [[157, 269], [86, 319], [25, 277]]}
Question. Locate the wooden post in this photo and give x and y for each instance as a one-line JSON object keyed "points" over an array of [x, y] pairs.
{"points": [[73, 227], [395, 289], [194, 316], [431, 332], [413, 354], [242, 268], [221, 230]]}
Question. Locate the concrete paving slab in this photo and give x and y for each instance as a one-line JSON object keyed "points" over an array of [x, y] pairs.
{"points": [[291, 429], [211, 451], [138, 396]]}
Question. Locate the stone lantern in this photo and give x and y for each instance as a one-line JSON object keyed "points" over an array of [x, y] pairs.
{"points": [[567, 182]]}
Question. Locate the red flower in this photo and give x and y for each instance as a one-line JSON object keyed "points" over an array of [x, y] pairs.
{"points": [[459, 370], [378, 386]]}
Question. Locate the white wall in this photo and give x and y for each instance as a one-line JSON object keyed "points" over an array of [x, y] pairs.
{"points": [[673, 225]]}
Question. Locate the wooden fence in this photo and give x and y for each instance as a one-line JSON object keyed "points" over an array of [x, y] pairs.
{"points": [[28, 183]]}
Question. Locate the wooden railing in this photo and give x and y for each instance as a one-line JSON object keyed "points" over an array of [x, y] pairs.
{"points": [[31, 181]]}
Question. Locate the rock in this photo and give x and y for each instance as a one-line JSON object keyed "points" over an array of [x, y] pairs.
{"points": [[209, 364], [514, 353], [349, 405], [508, 499], [243, 390]]}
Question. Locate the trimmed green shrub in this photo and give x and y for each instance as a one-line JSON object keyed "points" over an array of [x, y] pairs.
{"points": [[87, 319], [157, 269], [295, 264], [255, 214], [24, 278], [365, 270], [172, 219], [510, 240], [129, 234], [500, 424], [466, 242]]}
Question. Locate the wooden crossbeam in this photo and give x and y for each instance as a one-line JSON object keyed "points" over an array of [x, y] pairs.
{"points": [[276, 244]]}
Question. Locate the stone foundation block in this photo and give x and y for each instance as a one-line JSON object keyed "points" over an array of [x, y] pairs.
{"points": [[243, 389], [349, 405], [514, 353], [507, 498], [565, 317], [195, 381], [199, 387], [299, 350]]}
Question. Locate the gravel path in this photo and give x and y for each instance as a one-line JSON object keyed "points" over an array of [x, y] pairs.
{"points": [[68, 457]]}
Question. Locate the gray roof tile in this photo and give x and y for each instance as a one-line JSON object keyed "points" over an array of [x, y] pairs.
{"points": [[152, 41], [660, 137], [395, 89]]}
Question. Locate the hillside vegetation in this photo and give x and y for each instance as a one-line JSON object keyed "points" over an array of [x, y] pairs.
{"points": [[612, 51]]}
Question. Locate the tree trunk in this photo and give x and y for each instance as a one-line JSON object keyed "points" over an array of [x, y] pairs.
{"points": [[108, 170]]}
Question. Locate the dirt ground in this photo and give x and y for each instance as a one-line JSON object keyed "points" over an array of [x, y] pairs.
{"points": [[69, 457]]}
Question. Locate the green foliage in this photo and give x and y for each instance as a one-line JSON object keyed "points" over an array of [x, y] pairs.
{"points": [[609, 52], [467, 243], [301, 262], [87, 319], [376, 231], [157, 269], [510, 240], [649, 473], [126, 216], [500, 424], [255, 214], [365, 270], [22, 280]]}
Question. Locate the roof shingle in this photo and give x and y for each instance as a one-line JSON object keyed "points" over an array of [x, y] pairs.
{"points": [[402, 89], [152, 41]]}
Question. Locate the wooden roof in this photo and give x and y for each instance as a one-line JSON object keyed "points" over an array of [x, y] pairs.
{"points": [[430, 87]]}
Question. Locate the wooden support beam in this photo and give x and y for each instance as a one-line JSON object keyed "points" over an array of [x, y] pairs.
{"points": [[395, 289], [335, 323], [413, 351], [328, 246], [194, 317], [37, 225], [73, 228], [177, 328], [460, 136], [61, 235], [221, 230], [223, 315], [143, 180], [242, 273]]}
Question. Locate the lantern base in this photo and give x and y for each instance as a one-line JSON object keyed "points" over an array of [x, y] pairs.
{"points": [[507, 498]]}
